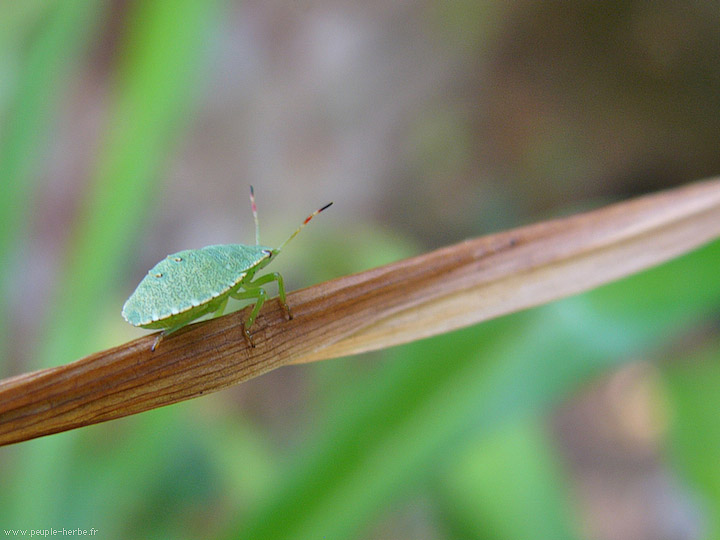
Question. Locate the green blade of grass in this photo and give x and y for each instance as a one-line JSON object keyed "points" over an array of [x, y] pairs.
{"points": [[50, 61], [162, 57], [46, 68], [156, 82], [693, 401], [507, 485]]}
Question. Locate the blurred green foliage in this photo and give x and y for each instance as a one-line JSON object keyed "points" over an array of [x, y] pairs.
{"points": [[452, 430], [29, 107]]}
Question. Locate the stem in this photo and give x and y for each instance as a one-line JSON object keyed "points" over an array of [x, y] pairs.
{"points": [[429, 294]]}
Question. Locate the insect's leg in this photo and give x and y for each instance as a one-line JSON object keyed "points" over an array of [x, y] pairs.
{"points": [[165, 333], [221, 308], [260, 296], [253, 292], [267, 278], [172, 329]]}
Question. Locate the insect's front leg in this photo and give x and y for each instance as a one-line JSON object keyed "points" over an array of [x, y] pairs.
{"points": [[267, 278], [260, 296]]}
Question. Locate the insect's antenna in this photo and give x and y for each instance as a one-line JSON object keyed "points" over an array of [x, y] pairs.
{"points": [[254, 212], [307, 220]]}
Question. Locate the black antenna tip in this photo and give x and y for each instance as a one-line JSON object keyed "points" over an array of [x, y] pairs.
{"points": [[252, 191], [328, 205]]}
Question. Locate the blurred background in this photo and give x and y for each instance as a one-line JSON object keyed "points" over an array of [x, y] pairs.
{"points": [[130, 130]]}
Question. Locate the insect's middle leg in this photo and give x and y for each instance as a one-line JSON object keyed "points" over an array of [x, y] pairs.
{"points": [[259, 294], [267, 278]]}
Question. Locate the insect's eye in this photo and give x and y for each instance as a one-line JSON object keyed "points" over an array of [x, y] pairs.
{"points": [[159, 275]]}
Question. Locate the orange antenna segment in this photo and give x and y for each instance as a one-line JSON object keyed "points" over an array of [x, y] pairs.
{"points": [[307, 220]]}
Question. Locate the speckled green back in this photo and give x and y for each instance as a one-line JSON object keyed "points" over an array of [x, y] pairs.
{"points": [[191, 278]]}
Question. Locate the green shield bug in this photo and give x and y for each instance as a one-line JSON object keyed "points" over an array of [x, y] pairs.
{"points": [[186, 285]]}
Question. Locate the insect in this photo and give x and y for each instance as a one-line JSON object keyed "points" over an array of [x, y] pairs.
{"points": [[186, 285]]}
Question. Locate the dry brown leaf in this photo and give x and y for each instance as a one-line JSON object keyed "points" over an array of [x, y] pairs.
{"points": [[408, 300]]}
